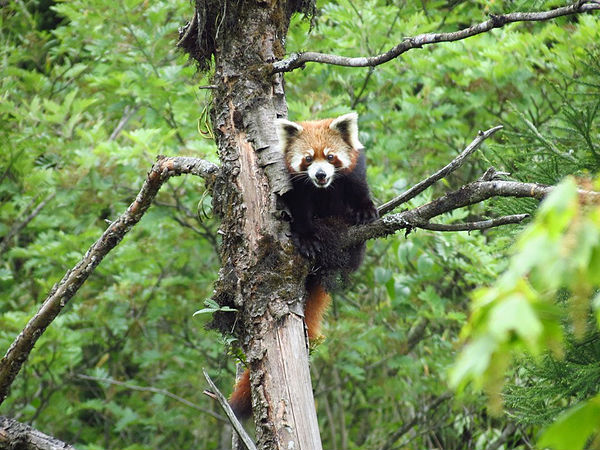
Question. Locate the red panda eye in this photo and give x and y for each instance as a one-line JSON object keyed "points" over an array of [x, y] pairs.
{"points": [[330, 157], [308, 158]]}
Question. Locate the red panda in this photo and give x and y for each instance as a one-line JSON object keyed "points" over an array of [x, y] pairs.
{"points": [[327, 167]]}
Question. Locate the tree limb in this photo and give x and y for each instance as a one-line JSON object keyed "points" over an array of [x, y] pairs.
{"points": [[164, 392], [451, 167], [469, 194], [220, 398], [471, 226], [16, 435], [128, 113], [392, 438], [496, 21], [61, 293]]}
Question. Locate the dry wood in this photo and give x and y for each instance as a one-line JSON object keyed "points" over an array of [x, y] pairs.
{"points": [[444, 171], [237, 426], [16, 435], [297, 60]]}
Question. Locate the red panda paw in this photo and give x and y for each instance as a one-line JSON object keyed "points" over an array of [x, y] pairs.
{"points": [[308, 245], [366, 214]]}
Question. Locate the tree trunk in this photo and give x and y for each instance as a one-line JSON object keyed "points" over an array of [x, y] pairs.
{"points": [[16, 435], [261, 273]]}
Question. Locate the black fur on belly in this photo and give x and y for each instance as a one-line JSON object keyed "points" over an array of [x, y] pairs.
{"points": [[333, 264]]}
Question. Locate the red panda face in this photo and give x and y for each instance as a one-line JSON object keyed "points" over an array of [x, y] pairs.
{"points": [[320, 150]]}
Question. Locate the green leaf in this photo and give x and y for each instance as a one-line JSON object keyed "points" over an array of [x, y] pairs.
{"points": [[572, 429]]}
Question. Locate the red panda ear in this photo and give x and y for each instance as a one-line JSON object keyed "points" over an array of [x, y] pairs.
{"points": [[286, 131], [347, 126]]}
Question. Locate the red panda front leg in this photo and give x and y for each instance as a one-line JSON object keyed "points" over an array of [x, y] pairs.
{"points": [[362, 207], [303, 231]]}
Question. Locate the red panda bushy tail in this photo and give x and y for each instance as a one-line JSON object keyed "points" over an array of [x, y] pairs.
{"points": [[317, 302], [240, 400]]}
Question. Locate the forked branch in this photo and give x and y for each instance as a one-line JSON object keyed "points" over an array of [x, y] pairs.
{"points": [[468, 194], [496, 21], [62, 292], [451, 167]]}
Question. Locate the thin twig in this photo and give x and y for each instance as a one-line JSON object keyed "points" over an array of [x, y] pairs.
{"points": [[220, 398], [164, 392], [496, 21], [18, 226], [63, 291], [507, 434], [451, 167], [472, 226], [128, 113], [547, 143], [411, 423]]}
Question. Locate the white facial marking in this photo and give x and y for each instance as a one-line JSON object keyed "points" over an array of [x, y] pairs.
{"points": [[321, 166], [298, 158], [341, 156]]}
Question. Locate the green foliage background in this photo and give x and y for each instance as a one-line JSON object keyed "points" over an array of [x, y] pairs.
{"points": [[91, 92]]}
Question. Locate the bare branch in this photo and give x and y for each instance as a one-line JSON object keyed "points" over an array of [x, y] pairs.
{"points": [[547, 143], [62, 292], [16, 435], [454, 164], [467, 195], [496, 21], [479, 225], [164, 392], [18, 226], [392, 438], [237, 426], [128, 113], [508, 433]]}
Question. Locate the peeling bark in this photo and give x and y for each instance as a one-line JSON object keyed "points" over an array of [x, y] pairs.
{"points": [[261, 275], [18, 436]]}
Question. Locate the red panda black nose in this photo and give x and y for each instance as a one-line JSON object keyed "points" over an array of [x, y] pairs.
{"points": [[320, 175]]}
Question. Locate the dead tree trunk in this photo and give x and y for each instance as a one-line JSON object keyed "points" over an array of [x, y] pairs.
{"points": [[16, 435], [261, 275]]}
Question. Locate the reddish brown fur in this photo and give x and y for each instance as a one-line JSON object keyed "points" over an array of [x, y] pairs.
{"points": [[316, 136], [240, 400], [312, 140], [316, 304]]}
